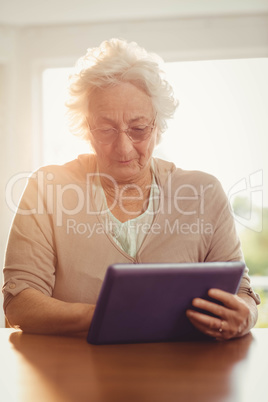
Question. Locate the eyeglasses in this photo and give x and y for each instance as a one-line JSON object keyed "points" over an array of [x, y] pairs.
{"points": [[107, 135]]}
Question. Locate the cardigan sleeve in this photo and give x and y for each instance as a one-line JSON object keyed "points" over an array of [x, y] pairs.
{"points": [[30, 258], [225, 243]]}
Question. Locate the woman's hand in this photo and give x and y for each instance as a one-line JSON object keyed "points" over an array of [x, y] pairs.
{"points": [[234, 318]]}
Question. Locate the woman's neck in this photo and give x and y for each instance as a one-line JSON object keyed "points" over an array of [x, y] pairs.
{"points": [[127, 200]]}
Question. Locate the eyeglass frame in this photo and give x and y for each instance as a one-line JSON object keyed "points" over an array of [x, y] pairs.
{"points": [[118, 131]]}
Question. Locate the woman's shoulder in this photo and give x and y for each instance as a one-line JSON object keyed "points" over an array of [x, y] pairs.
{"points": [[74, 170], [168, 171]]}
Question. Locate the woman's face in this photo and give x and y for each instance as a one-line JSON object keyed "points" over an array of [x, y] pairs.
{"points": [[121, 107]]}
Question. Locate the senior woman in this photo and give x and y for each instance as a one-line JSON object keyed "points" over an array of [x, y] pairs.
{"points": [[117, 204]]}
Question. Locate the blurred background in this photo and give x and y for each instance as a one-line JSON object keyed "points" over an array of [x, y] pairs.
{"points": [[216, 57]]}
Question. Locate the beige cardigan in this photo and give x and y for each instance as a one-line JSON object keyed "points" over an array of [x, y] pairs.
{"points": [[59, 245]]}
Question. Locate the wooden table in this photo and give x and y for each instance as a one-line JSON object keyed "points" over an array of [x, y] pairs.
{"points": [[35, 368]]}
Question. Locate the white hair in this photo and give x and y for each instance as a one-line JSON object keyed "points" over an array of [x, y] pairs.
{"points": [[113, 62]]}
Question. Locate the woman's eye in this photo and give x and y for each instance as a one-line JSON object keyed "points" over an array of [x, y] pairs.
{"points": [[137, 129], [107, 130]]}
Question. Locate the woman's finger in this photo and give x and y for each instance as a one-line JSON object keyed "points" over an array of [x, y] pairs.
{"points": [[204, 320], [213, 327], [229, 300], [211, 307]]}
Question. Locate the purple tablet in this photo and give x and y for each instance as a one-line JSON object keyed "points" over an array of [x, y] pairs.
{"points": [[147, 302]]}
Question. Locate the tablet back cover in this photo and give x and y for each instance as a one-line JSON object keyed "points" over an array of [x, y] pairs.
{"points": [[147, 302]]}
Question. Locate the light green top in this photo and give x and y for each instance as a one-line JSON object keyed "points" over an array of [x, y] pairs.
{"points": [[128, 235]]}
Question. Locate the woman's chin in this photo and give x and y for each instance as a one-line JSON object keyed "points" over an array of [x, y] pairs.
{"points": [[125, 171], [128, 176]]}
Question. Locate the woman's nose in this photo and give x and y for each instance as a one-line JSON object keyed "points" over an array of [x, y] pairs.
{"points": [[123, 143]]}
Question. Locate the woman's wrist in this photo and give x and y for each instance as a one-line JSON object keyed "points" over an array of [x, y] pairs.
{"points": [[253, 312]]}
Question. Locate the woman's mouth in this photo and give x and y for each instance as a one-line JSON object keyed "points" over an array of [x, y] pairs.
{"points": [[124, 162]]}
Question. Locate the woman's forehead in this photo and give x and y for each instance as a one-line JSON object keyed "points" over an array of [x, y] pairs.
{"points": [[124, 98], [130, 118]]}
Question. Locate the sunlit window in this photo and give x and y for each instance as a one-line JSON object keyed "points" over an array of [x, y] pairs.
{"points": [[58, 144], [220, 127]]}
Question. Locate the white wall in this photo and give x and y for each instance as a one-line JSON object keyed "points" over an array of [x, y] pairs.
{"points": [[26, 51]]}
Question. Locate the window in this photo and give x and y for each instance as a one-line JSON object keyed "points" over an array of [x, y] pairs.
{"points": [[220, 127], [58, 145]]}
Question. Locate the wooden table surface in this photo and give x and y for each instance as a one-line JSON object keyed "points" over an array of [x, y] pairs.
{"points": [[64, 369]]}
